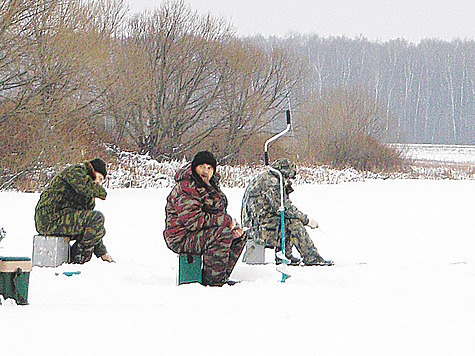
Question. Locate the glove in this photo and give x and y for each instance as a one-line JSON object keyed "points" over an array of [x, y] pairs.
{"points": [[312, 223]]}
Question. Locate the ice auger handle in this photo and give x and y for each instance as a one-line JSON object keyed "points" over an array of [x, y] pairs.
{"points": [[275, 137]]}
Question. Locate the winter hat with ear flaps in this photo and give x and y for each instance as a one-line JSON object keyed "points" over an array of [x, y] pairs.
{"points": [[99, 166], [285, 166], [204, 157]]}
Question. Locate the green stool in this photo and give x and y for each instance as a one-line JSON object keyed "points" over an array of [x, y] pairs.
{"points": [[14, 277], [189, 268]]}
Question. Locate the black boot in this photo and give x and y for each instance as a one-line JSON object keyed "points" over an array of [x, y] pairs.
{"points": [[319, 261], [221, 283], [294, 261], [80, 254]]}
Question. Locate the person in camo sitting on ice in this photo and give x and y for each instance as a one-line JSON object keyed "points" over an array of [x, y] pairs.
{"points": [[260, 213], [66, 208], [197, 221]]}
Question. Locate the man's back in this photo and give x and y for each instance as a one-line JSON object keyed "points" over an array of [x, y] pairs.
{"points": [[260, 200], [71, 188]]}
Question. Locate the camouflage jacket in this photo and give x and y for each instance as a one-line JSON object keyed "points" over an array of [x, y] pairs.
{"points": [[260, 208], [193, 206], [71, 189]]}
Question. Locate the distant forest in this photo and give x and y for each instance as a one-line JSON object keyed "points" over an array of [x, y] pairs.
{"points": [[428, 87]]}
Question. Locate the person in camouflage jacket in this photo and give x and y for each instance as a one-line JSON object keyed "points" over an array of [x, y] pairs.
{"points": [[66, 208], [197, 221], [260, 214]]}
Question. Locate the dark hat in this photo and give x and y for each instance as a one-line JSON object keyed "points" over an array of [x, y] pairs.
{"points": [[204, 157], [99, 166]]}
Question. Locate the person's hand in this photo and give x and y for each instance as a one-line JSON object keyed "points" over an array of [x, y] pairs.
{"points": [[108, 258], [312, 223], [237, 232], [236, 228], [233, 225]]}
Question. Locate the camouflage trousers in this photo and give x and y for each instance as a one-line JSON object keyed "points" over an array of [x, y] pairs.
{"points": [[84, 226], [295, 235], [219, 249]]}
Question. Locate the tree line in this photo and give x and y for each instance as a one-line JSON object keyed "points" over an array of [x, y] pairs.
{"points": [[428, 87], [76, 75]]}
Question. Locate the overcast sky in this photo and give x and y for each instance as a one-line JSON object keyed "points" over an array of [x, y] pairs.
{"points": [[374, 19]]}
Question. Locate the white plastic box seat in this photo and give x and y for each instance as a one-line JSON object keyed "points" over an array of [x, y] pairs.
{"points": [[50, 251]]}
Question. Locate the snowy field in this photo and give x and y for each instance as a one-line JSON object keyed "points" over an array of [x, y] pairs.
{"points": [[462, 154], [403, 282]]}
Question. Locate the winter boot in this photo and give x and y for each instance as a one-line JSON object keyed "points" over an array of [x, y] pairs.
{"points": [[294, 261], [220, 283], [80, 254], [319, 261]]}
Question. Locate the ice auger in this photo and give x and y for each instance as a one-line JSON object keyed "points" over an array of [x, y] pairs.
{"points": [[282, 268]]}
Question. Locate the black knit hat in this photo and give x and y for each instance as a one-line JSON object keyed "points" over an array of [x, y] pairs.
{"points": [[204, 157], [99, 166]]}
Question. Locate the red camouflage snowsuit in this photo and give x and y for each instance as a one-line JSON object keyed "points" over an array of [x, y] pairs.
{"points": [[197, 222]]}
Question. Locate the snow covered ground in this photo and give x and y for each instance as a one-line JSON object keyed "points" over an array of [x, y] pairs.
{"points": [[462, 154], [403, 282]]}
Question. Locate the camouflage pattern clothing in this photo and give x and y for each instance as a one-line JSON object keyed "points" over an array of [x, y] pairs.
{"points": [[66, 208], [197, 222], [260, 213]]}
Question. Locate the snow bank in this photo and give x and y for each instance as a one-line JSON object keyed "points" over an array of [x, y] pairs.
{"points": [[141, 171]]}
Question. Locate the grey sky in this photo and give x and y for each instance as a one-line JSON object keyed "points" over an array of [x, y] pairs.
{"points": [[374, 19]]}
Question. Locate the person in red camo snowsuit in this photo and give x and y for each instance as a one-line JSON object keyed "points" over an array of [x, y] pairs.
{"points": [[197, 221]]}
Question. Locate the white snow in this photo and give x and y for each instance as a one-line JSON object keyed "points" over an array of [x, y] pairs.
{"points": [[403, 282], [439, 153]]}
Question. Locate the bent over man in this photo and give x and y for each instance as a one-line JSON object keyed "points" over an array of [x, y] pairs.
{"points": [[260, 213], [66, 208], [197, 221]]}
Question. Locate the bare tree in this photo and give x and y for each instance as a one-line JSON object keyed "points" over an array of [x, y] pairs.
{"points": [[344, 128], [16, 18], [67, 46], [257, 87], [170, 109]]}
